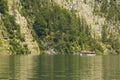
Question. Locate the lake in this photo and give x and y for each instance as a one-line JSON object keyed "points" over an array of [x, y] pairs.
{"points": [[59, 67]]}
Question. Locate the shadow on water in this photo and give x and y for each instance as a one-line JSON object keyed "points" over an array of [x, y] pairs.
{"points": [[59, 67]]}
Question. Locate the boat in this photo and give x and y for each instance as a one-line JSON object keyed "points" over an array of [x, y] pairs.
{"points": [[87, 53]]}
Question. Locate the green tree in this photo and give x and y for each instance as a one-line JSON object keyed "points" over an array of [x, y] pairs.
{"points": [[3, 6], [104, 33]]}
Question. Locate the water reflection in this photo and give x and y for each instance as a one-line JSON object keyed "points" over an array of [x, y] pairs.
{"points": [[20, 67], [4, 68], [111, 67], [62, 67]]}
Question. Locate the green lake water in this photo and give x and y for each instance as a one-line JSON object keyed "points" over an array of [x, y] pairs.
{"points": [[59, 67]]}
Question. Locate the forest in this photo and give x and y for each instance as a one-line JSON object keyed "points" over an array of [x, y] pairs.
{"points": [[58, 28]]}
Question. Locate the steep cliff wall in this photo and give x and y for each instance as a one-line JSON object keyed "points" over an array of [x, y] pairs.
{"points": [[65, 26], [4, 44], [15, 35], [85, 9], [97, 18], [15, 9]]}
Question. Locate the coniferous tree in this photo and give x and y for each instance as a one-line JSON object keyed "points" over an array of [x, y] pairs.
{"points": [[3, 6]]}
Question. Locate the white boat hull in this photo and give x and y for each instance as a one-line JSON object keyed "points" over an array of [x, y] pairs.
{"points": [[87, 54]]}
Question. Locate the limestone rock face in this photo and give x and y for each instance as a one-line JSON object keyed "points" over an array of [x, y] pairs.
{"points": [[14, 7], [84, 8]]}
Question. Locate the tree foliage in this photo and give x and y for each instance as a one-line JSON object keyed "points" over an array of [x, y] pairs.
{"points": [[110, 9], [3, 6], [58, 28]]}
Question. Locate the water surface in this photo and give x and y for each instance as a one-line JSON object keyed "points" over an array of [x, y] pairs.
{"points": [[59, 67]]}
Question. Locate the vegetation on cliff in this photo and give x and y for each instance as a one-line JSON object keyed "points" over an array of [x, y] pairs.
{"points": [[111, 29], [10, 31], [58, 28], [3, 6]]}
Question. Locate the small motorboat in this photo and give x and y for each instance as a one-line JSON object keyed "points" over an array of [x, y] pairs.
{"points": [[87, 53]]}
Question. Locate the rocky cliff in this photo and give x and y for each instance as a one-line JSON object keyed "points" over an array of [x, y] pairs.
{"points": [[93, 11], [41, 26], [14, 9]]}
